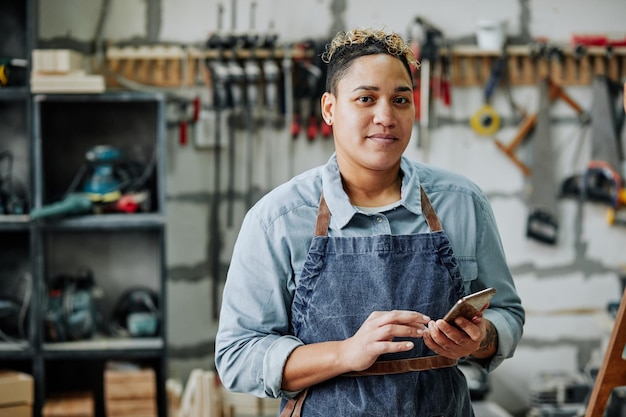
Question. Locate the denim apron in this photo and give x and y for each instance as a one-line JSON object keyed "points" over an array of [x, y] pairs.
{"points": [[343, 280]]}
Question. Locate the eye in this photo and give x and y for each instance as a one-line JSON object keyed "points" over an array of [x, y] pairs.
{"points": [[401, 100], [365, 99]]}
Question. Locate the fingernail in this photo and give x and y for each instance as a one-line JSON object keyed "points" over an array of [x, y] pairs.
{"points": [[425, 317], [420, 332], [409, 344]]}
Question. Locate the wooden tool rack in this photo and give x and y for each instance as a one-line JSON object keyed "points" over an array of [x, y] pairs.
{"points": [[176, 66], [465, 66], [470, 66]]}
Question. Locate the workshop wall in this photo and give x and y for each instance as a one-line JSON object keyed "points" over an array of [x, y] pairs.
{"points": [[564, 287]]}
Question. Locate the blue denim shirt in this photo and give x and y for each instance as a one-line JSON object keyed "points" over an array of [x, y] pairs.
{"points": [[253, 341]]}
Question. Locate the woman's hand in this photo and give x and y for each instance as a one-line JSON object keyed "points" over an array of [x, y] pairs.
{"points": [[311, 364], [476, 337], [376, 334]]}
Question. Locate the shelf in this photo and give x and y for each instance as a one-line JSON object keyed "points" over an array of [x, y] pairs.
{"points": [[14, 222], [14, 93], [117, 96], [108, 348], [15, 350], [107, 222]]}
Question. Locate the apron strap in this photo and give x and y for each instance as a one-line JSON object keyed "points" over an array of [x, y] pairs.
{"points": [[323, 218], [293, 408], [406, 365], [323, 215], [429, 213]]}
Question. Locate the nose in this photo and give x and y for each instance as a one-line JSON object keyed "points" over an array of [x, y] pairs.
{"points": [[384, 114]]}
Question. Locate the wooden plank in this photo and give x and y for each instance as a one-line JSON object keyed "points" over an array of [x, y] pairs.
{"points": [[70, 404], [131, 408]]}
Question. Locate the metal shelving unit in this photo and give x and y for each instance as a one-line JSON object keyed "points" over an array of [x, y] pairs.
{"points": [[49, 134], [65, 127]]}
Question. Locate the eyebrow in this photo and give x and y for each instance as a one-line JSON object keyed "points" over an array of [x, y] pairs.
{"points": [[373, 88]]}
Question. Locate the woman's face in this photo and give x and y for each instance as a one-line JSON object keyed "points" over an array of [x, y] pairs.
{"points": [[372, 113]]}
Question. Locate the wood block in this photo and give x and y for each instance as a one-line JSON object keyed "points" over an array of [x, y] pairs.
{"points": [[131, 408], [132, 384], [71, 404], [17, 411], [56, 61], [15, 388], [71, 83]]}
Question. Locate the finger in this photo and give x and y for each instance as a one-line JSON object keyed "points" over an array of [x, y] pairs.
{"points": [[471, 328], [390, 331], [433, 345], [406, 317], [445, 335]]}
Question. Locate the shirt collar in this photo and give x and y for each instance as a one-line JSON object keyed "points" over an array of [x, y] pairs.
{"points": [[339, 203]]}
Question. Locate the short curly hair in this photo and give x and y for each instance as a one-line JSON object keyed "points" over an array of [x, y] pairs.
{"points": [[345, 47]]}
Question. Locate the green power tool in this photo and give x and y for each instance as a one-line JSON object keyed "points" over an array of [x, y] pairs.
{"points": [[100, 187]]}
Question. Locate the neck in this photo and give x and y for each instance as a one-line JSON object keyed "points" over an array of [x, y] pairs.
{"points": [[373, 188]]}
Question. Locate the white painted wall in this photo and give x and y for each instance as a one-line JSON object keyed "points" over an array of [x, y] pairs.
{"points": [[580, 272]]}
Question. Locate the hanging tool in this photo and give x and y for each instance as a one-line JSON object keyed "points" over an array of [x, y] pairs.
{"points": [[486, 120], [542, 223], [252, 72], [287, 66], [429, 52], [306, 77], [317, 87], [414, 35], [219, 77], [446, 68], [606, 122], [235, 88], [271, 76], [528, 123], [602, 181]]}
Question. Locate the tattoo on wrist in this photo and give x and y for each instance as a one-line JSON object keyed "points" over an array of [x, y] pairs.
{"points": [[490, 340]]}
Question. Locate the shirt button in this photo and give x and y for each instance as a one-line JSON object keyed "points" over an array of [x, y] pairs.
{"points": [[379, 219]]}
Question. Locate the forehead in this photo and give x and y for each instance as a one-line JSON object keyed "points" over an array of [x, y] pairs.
{"points": [[375, 70]]}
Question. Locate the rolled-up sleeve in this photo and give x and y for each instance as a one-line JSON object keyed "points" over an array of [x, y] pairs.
{"points": [[252, 342], [505, 311]]}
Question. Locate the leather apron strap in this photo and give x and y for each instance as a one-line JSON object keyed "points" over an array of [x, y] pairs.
{"points": [[293, 408], [406, 365], [323, 215]]}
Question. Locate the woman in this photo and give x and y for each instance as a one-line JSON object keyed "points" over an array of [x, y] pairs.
{"points": [[340, 277]]}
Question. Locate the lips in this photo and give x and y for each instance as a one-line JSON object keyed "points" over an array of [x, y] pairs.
{"points": [[382, 136]]}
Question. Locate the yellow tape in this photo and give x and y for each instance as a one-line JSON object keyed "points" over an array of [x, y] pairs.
{"points": [[485, 121]]}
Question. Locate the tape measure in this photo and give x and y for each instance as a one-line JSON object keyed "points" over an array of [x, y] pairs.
{"points": [[486, 121]]}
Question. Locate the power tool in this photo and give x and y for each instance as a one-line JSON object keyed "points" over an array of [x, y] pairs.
{"points": [[108, 185], [102, 185]]}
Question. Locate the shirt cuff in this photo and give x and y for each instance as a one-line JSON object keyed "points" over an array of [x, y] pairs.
{"points": [[507, 340], [274, 364]]}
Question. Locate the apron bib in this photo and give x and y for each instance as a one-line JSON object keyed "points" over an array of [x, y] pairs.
{"points": [[343, 280]]}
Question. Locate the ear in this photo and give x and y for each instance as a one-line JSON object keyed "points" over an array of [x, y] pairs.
{"points": [[328, 107]]}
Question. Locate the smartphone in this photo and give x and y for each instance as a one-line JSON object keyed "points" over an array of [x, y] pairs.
{"points": [[470, 305]]}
